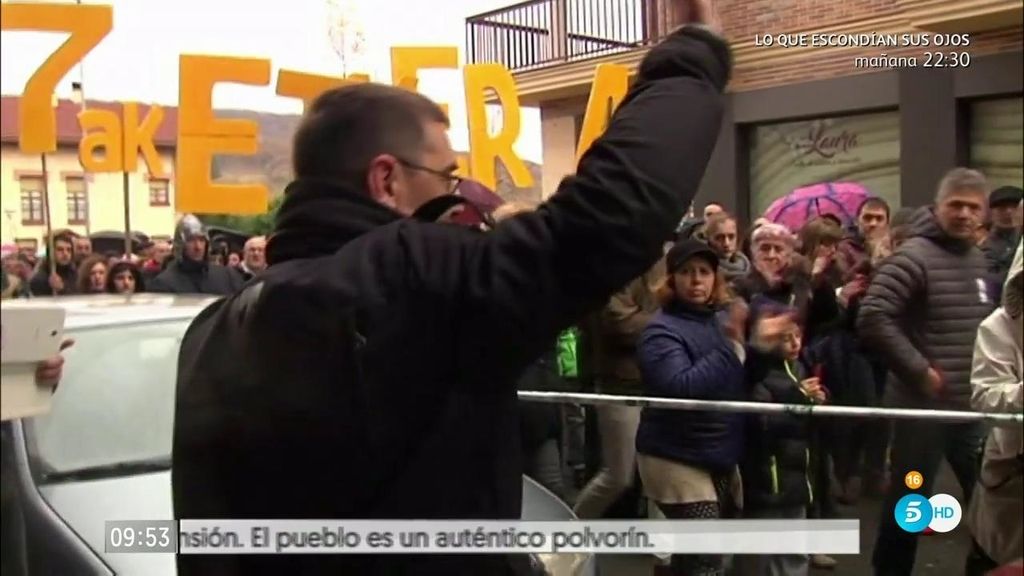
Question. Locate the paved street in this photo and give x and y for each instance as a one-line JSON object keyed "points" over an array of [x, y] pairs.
{"points": [[937, 554]]}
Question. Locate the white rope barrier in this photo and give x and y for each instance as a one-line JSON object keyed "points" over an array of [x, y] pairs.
{"points": [[766, 408]]}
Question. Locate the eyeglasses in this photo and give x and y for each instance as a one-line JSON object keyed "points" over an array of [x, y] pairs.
{"points": [[452, 180]]}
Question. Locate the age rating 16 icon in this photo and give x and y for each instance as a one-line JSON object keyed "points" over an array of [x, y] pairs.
{"points": [[913, 480], [940, 513]]}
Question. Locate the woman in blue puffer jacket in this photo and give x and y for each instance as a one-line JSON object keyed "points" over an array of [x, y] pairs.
{"points": [[688, 460]]}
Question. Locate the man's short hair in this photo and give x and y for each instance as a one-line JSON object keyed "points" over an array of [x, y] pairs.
{"points": [[875, 202], [65, 236], [959, 179], [716, 221], [347, 127], [254, 239]]}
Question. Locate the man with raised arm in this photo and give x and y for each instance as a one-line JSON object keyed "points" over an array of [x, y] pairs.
{"points": [[370, 372]]}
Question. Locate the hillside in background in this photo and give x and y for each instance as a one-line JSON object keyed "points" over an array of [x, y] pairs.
{"points": [[272, 164]]}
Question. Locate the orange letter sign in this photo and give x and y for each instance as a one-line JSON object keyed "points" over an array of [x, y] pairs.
{"points": [[307, 87], [201, 135], [484, 148], [37, 122], [138, 138], [100, 129], [407, 61], [611, 82]]}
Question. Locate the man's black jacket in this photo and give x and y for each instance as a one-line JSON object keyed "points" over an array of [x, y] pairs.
{"points": [[188, 277], [280, 415]]}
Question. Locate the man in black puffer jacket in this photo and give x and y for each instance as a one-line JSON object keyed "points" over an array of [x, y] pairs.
{"points": [[921, 315]]}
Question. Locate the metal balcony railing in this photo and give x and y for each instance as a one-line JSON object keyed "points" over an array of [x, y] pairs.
{"points": [[538, 33]]}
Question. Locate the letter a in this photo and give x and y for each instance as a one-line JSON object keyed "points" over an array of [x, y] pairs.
{"points": [[611, 81], [100, 129]]}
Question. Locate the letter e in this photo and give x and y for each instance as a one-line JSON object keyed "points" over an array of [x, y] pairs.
{"points": [[201, 135]]}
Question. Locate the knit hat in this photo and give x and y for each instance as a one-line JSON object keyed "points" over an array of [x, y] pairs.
{"points": [[773, 232]]}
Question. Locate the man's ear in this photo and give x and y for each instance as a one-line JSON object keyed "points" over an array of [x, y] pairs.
{"points": [[380, 178]]}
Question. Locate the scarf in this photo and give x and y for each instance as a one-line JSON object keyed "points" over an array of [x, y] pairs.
{"points": [[738, 266], [317, 218]]}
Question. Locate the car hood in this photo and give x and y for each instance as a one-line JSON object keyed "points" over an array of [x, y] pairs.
{"points": [[87, 505]]}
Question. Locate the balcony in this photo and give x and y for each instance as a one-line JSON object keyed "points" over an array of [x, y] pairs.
{"points": [[539, 33]]}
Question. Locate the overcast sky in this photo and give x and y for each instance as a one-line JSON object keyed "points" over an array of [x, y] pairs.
{"points": [[138, 60]]}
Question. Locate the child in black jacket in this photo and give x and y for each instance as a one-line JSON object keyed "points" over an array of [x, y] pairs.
{"points": [[776, 467]]}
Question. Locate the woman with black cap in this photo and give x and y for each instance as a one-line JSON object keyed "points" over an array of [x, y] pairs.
{"points": [[688, 460]]}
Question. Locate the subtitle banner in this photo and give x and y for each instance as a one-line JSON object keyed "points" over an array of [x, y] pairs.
{"points": [[489, 537]]}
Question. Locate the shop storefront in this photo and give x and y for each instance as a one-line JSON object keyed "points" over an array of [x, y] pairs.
{"points": [[997, 140], [863, 148], [897, 132]]}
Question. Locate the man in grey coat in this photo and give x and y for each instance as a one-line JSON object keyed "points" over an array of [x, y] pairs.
{"points": [[920, 315]]}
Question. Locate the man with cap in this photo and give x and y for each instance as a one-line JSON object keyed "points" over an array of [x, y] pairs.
{"points": [[189, 272], [1004, 205]]}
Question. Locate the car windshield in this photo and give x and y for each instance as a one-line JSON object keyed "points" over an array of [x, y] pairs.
{"points": [[115, 404]]}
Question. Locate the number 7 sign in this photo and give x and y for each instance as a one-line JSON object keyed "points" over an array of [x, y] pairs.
{"points": [[87, 26]]}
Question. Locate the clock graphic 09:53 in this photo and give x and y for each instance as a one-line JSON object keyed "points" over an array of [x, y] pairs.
{"points": [[136, 536]]}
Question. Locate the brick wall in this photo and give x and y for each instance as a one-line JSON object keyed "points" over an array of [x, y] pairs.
{"points": [[743, 19]]}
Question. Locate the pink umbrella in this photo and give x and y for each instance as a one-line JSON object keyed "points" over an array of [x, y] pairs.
{"points": [[841, 199], [485, 199]]}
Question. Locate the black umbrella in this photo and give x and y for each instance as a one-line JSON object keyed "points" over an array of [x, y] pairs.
{"points": [[113, 241], [234, 239]]}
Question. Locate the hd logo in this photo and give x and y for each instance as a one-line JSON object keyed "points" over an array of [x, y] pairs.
{"points": [[940, 513]]}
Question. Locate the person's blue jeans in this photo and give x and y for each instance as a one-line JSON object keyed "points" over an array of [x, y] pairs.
{"points": [[921, 446]]}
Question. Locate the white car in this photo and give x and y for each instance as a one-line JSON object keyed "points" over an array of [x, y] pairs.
{"points": [[103, 452]]}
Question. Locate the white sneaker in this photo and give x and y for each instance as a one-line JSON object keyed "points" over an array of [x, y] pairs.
{"points": [[823, 561]]}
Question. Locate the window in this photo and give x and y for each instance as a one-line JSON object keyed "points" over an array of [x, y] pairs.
{"points": [[31, 200], [128, 416], [78, 201], [158, 193], [864, 149], [997, 142]]}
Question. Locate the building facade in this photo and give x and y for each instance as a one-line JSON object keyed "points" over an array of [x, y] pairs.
{"points": [[84, 203], [891, 115]]}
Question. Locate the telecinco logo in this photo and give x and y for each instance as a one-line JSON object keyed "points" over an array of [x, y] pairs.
{"points": [[914, 512], [940, 513]]}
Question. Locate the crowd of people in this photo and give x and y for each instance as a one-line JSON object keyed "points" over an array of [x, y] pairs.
{"points": [[192, 263], [883, 310]]}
